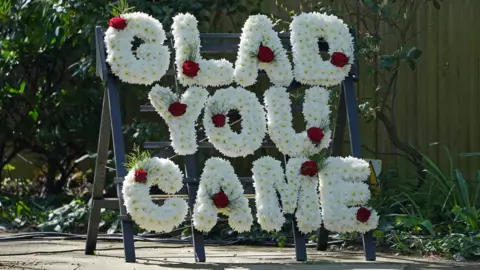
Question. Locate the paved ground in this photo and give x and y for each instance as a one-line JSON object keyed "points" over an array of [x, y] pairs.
{"points": [[69, 255]]}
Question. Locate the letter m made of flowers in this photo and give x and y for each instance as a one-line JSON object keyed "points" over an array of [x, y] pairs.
{"points": [[298, 194]]}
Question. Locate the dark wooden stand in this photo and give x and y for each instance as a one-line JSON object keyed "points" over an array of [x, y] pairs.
{"points": [[111, 126]]}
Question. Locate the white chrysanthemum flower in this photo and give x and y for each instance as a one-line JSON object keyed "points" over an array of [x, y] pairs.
{"points": [[219, 179], [309, 67], [223, 138], [187, 48], [151, 59], [258, 32], [182, 128], [316, 112], [298, 194], [341, 188], [136, 194]]}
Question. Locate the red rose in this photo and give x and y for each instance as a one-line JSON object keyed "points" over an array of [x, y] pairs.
{"points": [[219, 120], [177, 108], [118, 23], [315, 134], [309, 168], [339, 59], [265, 54], [190, 68], [141, 176], [220, 200], [363, 214]]}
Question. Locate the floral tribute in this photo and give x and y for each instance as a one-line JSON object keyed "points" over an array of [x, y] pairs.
{"points": [[310, 68], [220, 191], [146, 171], [151, 59], [316, 112], [192, 69], [342, 194], [180, 114], [313, 187], [298, 194], [261, 48], [221, 135]]}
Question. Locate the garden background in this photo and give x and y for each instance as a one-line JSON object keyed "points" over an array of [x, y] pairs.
{"points": [[419, 77]]}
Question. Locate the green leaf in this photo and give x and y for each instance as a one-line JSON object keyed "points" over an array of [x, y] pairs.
{"points": [[22, 87], [472, 154], [411, 222], [428, 225], [411, 64], [386, 61], [9, 167], [414, 53], [33, 114], [436, 4]]}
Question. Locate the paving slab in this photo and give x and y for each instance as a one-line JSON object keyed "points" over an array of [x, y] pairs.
{"points": [[69, 255]]}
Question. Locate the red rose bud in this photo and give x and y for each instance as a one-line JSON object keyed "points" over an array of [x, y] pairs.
{"points": [[190, 68], [220, 200], [363, 214], [309, 168], [219, 120], [177, 108], [265, 54], [118, 23], [141, 176], [339, 59], [315, 134]]}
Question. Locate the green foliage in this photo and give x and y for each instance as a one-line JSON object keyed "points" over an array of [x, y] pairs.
{"points": [[137, 159], [442, 218], [19, 213]]}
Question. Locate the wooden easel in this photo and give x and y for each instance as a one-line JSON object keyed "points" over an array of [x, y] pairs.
{"points": [[111, 126]]}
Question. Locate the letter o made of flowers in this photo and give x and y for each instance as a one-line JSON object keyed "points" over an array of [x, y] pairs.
{"points": [[219, 133], [151, 59], [136, 193], [316, 113], [309, 67]]}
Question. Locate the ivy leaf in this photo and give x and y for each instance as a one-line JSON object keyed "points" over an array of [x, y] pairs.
{"points": [[386, 61], [411, 64], [414, 53]]}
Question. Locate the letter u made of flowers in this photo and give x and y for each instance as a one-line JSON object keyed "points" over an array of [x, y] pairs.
{"points": [[220, 191], [343, 195]]}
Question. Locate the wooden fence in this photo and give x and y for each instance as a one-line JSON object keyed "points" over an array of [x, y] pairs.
{"points": [[439, 101]]}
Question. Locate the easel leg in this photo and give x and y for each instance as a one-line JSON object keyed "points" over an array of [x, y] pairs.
{"points": [[119, 151], [336, 150], [99, 178], [197, 237], [355, 144], [300, 247]]}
